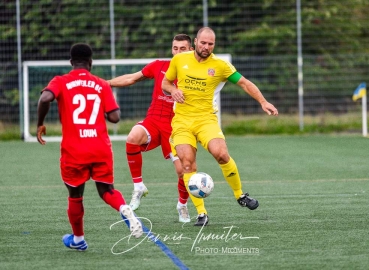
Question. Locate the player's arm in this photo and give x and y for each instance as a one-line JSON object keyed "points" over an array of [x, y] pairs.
{"points": [[254, 92], [42, 110], [113, 116], [169, 86], [127, 79]]}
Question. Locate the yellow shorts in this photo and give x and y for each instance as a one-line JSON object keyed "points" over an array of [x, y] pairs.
{"points": [[190, 130]]}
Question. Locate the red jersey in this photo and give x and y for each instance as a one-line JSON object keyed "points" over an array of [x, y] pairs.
{"points": [[83, 99], [161, 106]]}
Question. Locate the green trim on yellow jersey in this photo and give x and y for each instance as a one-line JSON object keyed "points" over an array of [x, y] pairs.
{"points": [[235, 77], [199, 82]]}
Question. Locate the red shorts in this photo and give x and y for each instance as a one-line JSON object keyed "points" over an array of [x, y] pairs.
{"points": [[158, 133], [77, 174]]}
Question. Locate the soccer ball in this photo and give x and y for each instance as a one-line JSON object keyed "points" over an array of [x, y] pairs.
{"points": [[201, 185]]}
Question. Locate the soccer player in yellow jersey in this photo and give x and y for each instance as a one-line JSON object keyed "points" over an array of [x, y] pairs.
{"points": [[199, 73]]}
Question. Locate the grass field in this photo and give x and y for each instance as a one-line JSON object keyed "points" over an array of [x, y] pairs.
{"points": [[313, 213]]}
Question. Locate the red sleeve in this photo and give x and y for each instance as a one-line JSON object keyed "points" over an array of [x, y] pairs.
{"points": [[53, 86], [149, 70]]}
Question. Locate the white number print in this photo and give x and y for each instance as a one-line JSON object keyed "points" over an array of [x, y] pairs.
{"points": [[81, 100]]}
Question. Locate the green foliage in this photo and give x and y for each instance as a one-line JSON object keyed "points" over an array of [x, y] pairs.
{"points": [[263, 27], [334, 41], [157, 34], [13, 96]]}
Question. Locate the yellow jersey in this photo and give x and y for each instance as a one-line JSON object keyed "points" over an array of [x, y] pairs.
{"points": [[199, 81]]}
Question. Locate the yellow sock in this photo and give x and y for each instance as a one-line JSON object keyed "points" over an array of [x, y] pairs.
{"points": [[230, 173], [197, 202]]}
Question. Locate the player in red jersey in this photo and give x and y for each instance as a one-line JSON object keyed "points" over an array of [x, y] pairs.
{"points": [[86, 152], [156, 128]]}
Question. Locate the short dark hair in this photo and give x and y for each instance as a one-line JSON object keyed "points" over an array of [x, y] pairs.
{"points": [[81, 52], [183, 37]]}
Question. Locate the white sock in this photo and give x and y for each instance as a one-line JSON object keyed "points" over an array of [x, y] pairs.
{"points": [[179, 204], [78, 239], [139, 186]]}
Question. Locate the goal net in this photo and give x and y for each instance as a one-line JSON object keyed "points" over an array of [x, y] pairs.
{"points": [[133, 100]]}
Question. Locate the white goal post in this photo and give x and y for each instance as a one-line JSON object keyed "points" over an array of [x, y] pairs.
{"points": [[31, 110]]}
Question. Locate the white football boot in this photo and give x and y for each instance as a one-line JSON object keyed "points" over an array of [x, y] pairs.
{"points": [[136, 198], [131, 220], [184, 216]]}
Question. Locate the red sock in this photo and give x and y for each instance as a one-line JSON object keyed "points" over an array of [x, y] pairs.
{"points": [[182, 191], [75, 213], [114, 198], [134, 158]]}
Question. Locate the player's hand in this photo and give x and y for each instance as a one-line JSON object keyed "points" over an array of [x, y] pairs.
{"points": [[269, 108], [178, 96], [41, 130]]}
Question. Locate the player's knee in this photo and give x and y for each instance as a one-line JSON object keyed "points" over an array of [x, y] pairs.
{"points": [[133, 140], [189, 167], [222, 158], [102, 188], [137, 135]]}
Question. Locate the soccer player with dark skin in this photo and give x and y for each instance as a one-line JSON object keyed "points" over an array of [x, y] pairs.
{"points": [[156, 128], [84, 100], [199, 73]]}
